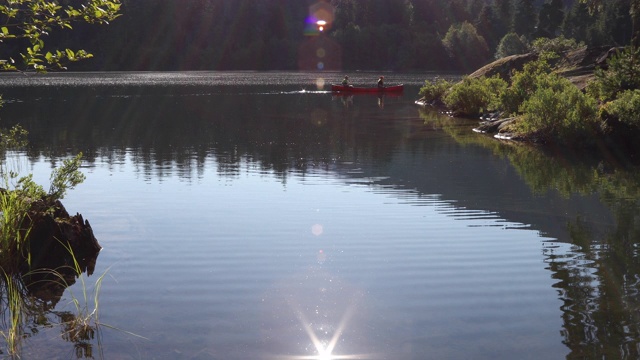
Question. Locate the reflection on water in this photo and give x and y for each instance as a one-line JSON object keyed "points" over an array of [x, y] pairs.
{"points": [[598, 276], [245, 220], [28, 302]]}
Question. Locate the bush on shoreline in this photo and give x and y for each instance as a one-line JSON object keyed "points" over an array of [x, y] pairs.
{"points": [[557, 109], [548, 107], [472, 97]]}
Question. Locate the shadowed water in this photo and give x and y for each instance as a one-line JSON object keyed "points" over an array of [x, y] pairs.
{"points": [[259, 216]]}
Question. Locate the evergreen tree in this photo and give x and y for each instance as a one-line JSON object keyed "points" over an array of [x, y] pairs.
{"points": [[511, 44], [465, 46], [524, 18], [503, 10], [578, 23], [487, 26], [634, 11], [550, 18], [617, 24]]}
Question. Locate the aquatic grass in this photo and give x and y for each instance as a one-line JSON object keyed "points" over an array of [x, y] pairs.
{"points": [[21, 310], [83, 324], [13, 304], [18, 309]]}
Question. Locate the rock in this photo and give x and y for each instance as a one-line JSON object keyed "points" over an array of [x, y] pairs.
{"points": [[493, 126], [505, 66]]}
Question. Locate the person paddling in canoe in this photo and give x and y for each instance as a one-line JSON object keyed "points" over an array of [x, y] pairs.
{"points": [[381, 82], [345, 81]]}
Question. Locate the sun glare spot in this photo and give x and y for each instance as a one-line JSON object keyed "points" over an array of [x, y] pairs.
{"points": [[325, 355]]}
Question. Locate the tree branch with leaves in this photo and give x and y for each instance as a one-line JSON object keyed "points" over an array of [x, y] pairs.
{"points": [[34, 20]]}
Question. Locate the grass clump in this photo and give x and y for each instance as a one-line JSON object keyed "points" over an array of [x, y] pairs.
{"points": [[82, 325]]}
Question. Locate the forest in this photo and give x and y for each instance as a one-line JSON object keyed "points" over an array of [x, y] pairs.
{"points": [[396, 35]]}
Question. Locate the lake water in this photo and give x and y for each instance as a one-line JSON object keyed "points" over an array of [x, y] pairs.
{"points": [[254, 215]]}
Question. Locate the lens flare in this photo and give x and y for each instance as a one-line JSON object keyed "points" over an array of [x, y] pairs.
{"points": [[321, 24], [317, 229]]}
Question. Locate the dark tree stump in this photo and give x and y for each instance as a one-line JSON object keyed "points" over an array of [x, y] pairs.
{"points": [[54, 240]]}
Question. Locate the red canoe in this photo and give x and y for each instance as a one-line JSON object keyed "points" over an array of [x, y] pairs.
{"points": [[354, 89]]}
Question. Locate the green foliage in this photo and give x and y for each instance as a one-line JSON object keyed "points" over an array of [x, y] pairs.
{"points": [[14, 207], [66, 177], [14, 138], [511, 44], [435, 90], [550, 18], [556, 45], [626, 108], [622, 74], [473, 96], [463, 44], [557, 109], [33, 20], [524, 17], [523, 84], [548, 105]]}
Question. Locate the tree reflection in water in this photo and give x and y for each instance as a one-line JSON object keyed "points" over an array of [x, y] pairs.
{"points": [[599, 277], [28, 302]]}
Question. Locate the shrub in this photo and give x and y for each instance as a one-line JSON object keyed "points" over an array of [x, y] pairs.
{"points": [[557, 109], [523, 84], [473, 96], [623, 73], [433, 91], [626, 108], [556, 45]]}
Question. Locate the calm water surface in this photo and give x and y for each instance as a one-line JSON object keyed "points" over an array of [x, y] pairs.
{"points": [[258, 216]]}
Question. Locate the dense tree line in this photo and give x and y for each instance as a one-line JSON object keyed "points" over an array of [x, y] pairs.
{"points": [[362, 34]]}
